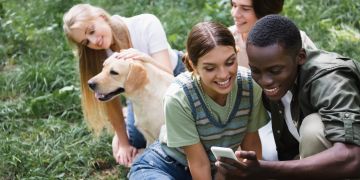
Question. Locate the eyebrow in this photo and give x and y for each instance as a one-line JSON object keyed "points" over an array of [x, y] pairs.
{"points": [[276, 66], [245, 6], [268, 68], [242, 5], [231, 56]]}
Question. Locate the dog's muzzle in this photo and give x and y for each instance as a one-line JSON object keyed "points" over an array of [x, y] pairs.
{"points": [[105, 97]]}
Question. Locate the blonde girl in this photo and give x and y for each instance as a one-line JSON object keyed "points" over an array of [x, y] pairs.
{"points": [[95, 35]]}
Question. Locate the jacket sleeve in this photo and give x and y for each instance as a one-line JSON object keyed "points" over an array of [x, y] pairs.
{"points": [[336, 97]]}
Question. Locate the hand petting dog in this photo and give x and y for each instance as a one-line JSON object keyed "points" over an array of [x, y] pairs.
{"points": [[134, 54]]}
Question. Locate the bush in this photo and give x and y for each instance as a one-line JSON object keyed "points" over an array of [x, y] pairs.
{"points": [[332, 24]]}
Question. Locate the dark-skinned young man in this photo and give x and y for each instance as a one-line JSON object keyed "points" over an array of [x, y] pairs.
{"points": [[318, 91]]}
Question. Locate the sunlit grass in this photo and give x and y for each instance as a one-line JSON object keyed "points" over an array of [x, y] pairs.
{"points": [[53, 148]]}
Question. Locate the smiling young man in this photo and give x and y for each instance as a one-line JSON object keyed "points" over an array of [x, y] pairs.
{"points": [[314, 100]]}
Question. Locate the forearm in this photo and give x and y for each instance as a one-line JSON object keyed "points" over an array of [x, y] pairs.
{"points": [[162, 60], [201, 172], [121, 134], [116, 118], [252, 142], [339, 161], [162, 67], [198, 161]]}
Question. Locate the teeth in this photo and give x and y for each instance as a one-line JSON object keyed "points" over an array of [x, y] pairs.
{"points": [[224, 82], [239, 23], [271, 90], [98, 95]]}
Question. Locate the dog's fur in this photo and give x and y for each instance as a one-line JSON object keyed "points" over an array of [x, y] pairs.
{"points": [[142, 83]]}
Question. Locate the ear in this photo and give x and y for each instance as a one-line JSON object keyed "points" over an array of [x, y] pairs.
{"points": [[301, 57], [137, 77], [102, 16], [237, 49], [193, 67]]}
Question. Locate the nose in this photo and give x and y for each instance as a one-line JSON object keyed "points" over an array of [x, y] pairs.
{"points": [[235, 11], [92, 39], [92, 85], [266, 80], [223, 73]]}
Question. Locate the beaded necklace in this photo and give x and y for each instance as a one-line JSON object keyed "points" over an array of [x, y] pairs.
{"points": [[228, 111]]}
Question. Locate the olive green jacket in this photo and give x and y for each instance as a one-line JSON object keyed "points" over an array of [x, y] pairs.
{"points": [[328, 84]]}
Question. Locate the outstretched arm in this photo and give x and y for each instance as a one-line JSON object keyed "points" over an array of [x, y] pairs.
{"points": [[162, 60], [198, 161], [339, 161], [252, 142], [123, 152]]}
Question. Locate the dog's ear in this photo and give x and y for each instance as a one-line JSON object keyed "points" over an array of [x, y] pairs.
{"points": [[137, 77]]}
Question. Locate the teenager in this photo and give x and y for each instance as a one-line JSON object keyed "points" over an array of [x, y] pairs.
{"points": [[245, 13], [319, 91], [216, 103], [95, 35]]}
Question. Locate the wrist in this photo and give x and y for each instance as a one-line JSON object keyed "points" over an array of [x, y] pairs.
{"points": [[121, 140]]}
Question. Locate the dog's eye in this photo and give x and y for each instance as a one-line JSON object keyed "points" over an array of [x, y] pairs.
{"points": [[112, 72]]}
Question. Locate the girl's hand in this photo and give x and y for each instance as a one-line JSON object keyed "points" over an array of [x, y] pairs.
{"points": [[124, 155], [134, 54]]}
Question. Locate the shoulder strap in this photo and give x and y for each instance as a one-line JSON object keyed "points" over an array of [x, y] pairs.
{"points": [[185, 81]]}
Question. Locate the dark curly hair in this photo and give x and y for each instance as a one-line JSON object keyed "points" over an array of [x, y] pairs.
{"points": [[273, 29]]}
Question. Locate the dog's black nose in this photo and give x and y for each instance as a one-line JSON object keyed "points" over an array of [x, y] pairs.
{"points": [[92, 85]]}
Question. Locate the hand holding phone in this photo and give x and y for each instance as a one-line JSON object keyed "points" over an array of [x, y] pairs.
{"points": [[223, 152]]}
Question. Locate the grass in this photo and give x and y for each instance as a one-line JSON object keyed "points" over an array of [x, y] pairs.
{"points": [[43, 135]]}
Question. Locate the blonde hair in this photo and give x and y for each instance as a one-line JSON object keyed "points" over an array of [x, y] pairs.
{"points": [[95, 113]]}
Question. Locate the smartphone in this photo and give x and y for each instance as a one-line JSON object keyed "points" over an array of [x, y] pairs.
{"points": [[223, 152]]}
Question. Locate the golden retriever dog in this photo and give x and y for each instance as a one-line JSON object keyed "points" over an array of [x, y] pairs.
{"points": [[143, 84]]}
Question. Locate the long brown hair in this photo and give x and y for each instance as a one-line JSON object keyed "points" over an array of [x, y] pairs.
{"points": [[90, 60], [204, 37]]}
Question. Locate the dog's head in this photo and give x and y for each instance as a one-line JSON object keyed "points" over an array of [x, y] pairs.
{"points": [[118, 76]]}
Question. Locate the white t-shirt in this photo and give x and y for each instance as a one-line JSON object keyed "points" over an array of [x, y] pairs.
{"points": [[286, 100], [148, 35]]}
